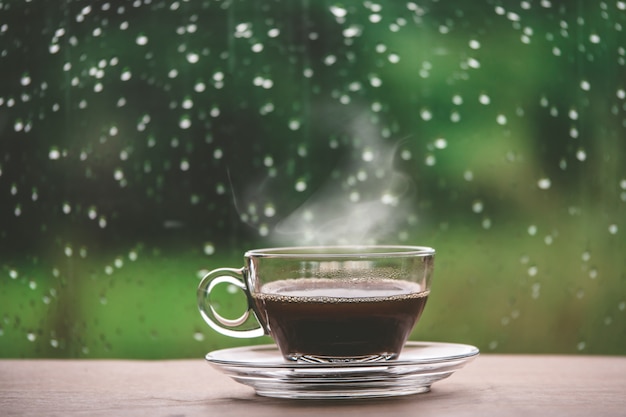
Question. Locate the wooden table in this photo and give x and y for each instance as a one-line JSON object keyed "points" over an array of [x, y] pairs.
{"points": [[491, 385]]}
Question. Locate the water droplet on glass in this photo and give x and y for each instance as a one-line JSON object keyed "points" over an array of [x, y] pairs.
{"points": [[441, 143], [294, 124], [54, 154], [477, 206], [142, 40], [185, 122], [473, 63], [544, 183], [352, 31], [338, 11], [209, 248], [269, 210], [25, 80], [193, 57], [126, 75], [535, 290], [300, 185], [375, 81], [368, 155]]}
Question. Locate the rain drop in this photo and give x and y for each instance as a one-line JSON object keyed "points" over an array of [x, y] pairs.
{"points": [[294, 124], [193, 58], [142, 40], [209, 248], [185, 122], [300, 185], [264, 230], [474, 44], [535, 290], [544, 183], [126, 75], [375, 81], [269, 210], [367, 155], [338, 11], [54, 154]]}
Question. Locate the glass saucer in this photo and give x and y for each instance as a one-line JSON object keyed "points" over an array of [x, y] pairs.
{"points": [[420, 365]]}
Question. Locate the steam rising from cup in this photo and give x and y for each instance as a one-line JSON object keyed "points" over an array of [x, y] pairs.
{"points": [[361, 198]]}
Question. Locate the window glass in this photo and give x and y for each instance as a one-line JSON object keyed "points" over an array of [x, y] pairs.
{"points": [[145, 142]]}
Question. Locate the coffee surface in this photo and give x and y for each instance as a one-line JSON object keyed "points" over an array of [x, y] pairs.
{"points": [[340, 318]]}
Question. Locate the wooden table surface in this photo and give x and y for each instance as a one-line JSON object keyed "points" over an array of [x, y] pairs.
{"points": [[491, 385]]}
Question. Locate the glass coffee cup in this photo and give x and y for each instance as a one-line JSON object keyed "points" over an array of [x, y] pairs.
{"points": [[327, 304]]}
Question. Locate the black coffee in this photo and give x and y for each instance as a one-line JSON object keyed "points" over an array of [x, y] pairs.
{"points": [[331, 318]]}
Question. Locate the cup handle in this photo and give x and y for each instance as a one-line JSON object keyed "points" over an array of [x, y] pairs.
{"points": [[227, 327]]}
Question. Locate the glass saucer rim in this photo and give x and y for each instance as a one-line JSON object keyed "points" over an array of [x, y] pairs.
{"points": [[469, 352]]}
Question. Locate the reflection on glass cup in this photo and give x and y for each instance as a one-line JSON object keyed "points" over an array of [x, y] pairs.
{"points": [[321, 304]]}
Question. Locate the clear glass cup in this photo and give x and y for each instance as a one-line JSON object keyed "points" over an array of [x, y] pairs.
{"points": [[329, 303]]}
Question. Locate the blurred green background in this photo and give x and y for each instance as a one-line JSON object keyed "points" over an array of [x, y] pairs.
{"points": [[143, 143]]}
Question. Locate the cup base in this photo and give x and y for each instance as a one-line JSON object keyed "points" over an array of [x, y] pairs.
{"points": [[302, 358]]}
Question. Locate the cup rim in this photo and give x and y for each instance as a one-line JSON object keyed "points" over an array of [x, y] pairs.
{"points": [[342, 251]]}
